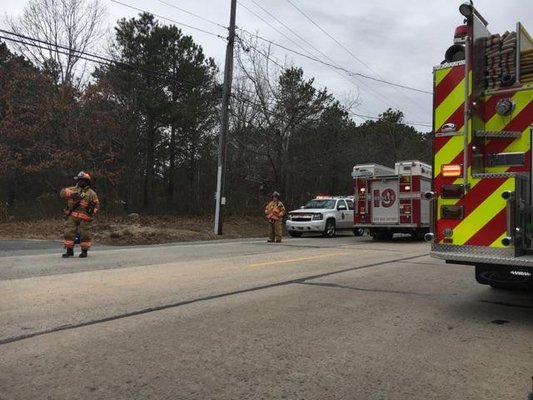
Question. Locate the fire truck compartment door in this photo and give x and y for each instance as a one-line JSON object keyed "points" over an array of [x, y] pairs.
{"points": [[385, 209]]}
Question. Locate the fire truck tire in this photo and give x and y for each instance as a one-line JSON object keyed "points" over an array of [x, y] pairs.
{"points": [[295, 234], [358, 232], [383, 235], [501, 278], [330, 229], [419, 235]]}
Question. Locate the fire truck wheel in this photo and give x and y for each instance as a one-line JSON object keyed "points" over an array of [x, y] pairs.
{"points": [[358, 232], [383, 236], [295, 234], [501, 277], [330, 229], [418, 235]]}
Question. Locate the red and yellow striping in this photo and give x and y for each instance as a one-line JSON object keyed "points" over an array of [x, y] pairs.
{"points": [[484, 210]]}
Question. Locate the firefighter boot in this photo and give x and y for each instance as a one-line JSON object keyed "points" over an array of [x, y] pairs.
{"points": [[69, 252], [83, 253]]}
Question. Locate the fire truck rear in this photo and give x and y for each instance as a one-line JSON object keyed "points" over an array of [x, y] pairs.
{"points": [[483, 114], [389, 201]]}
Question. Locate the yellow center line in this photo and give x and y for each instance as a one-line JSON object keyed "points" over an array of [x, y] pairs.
{"points": [[291, 260]]}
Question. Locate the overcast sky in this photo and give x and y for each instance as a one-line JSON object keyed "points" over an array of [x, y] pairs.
{"points": [[395, 40]]}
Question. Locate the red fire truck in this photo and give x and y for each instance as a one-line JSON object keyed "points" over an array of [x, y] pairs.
{"points": [[483, 115], [389, 201]]}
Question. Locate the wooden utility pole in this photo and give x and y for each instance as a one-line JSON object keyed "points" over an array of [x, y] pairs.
{"points": [[226, 94]]}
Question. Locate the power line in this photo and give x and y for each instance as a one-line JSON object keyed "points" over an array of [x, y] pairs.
{"points": [[331, 64], [331, 37], [362, 116], [277, 62], [352, 81], [168, 19], [290, 39], [291, 31], [99, 59], [272, 26], [248, 47], [91, 57], [345, 48], [374, 117], [347, 71], [311, 45], [193, 14]]}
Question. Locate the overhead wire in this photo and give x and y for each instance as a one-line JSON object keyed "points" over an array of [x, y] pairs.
{"points": [[271, 26], [193, 14], [375, 117], [100, 60], [347, 71], [361, 116], [87, 56], [331, 37], [332, 64], [290, 39], [353, 80], [344, 47], [321, 61], [168, 19], [274, 60]]}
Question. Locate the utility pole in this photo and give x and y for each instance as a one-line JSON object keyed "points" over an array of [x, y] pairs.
{"points": [[226, 93]]}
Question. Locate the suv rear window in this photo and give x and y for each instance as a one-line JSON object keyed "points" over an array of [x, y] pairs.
{"points": [[329, 204]]}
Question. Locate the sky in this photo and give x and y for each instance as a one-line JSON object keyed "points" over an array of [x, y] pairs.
{"points": [[399, 41]]}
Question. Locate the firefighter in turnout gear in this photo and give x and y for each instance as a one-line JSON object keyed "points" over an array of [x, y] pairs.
{"points": [[82, 205], [274, 211]]}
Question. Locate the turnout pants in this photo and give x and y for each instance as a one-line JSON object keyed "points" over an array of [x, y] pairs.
{"points": [[72, 227], [274, 231]]}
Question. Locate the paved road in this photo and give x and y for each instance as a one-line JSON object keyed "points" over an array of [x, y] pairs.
{"points": [[310, 318]]}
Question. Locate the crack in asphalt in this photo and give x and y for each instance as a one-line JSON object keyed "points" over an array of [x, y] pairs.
{"points": [[339, 286], [502, 303], [11, 339]]}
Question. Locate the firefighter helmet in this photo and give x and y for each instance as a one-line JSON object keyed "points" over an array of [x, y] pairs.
{"points": [[82, 175], [275, 194]]}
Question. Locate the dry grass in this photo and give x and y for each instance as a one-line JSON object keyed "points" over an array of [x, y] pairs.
{"points": [[141, 230]]}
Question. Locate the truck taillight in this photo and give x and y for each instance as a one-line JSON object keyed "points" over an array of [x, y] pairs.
{"points": [[452, 170]]}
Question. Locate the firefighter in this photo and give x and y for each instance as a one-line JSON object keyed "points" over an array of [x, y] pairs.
{"points": [[274, 212], [82, 205]]}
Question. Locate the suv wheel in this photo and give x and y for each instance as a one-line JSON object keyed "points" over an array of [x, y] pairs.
{"points": [[329, 231]]}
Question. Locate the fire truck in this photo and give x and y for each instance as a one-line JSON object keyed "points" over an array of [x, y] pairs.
{"points": [[482, 119], [389, 201]]}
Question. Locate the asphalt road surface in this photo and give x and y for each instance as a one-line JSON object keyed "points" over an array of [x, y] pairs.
{"points": [[310, 318]]}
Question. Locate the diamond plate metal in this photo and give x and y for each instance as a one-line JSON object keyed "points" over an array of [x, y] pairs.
{"points": [[448, 65], [480, 254], [496, 175], [498, 134]]}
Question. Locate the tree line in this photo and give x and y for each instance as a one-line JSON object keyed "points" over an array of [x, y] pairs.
{"points": [[145, 125]]}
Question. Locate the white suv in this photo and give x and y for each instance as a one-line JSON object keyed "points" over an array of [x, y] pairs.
{"points": [[324, 214]]}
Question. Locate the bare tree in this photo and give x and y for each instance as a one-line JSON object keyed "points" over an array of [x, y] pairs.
{"points": [[56, 33]]}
